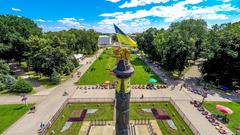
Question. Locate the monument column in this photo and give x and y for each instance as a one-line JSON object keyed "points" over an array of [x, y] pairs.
{"points": [[123, 72]]}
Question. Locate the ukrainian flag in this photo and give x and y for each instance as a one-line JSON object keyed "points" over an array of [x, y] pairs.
{"points": [[123, 38]]}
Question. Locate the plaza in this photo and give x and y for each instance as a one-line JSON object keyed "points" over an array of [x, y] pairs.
{"points": [[55, 101], [120, 67]]}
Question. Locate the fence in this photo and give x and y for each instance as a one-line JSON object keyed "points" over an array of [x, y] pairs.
{"points": [[187, 121], [111, 100], [90, 100], [149, 99], [53, 119]]}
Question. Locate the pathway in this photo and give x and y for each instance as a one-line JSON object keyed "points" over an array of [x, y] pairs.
{"points": [[50, 104], [197, 119], [29, 123], [183, 97], [19, 72], [17, 99]]}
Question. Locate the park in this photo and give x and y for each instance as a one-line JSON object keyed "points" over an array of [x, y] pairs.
{"points": [[78, 79]]}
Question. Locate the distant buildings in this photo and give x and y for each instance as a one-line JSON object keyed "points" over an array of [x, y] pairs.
{"points": [[105, 40]]}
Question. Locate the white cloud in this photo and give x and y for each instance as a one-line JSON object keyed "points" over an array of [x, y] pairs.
{"points": [[140, 22], [16, 9], [135, 3], [111, 14], [39, 20], [81, 19], [225, 0], [172, 13], [114, 1], [70, 22]]}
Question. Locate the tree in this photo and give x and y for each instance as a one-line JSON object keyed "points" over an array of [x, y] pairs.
{"points": [[4, 68], [223, 59], [145, 43], [48, 59], [173, 47], [55, 77], [14, 31], [6, 80], [22, 86]]}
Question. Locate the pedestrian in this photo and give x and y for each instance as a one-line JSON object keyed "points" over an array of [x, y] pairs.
{"points": [[181, 87], [142, 96], [42, 125]]}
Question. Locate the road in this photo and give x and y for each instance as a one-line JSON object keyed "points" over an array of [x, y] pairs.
{"points": [[30, 123]]}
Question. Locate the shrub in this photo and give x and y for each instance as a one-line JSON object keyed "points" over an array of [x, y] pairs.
{"points": [[55, 77], [147, 69], [7, 81], [22, 86], [2, 86]]}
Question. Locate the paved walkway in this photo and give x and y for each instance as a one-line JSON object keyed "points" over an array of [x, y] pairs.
{"points": [[182, 97], [17, 99], [19, 72], [48, 105], [197, 119], [29, 123]]}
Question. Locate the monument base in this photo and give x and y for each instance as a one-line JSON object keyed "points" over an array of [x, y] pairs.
{"points": [[109, 129]]}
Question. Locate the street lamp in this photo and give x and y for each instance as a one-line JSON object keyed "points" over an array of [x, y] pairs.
{"points": [[204, 95]]}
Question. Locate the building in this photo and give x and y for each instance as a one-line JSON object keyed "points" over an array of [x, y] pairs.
{"points": [[104, 40], [79, 57]]}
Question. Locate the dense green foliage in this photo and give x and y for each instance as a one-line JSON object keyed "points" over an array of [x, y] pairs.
{"points": [[54, 50], [22, 86], [10, 114], [190, 40], [173, 47], [14, 31], [101, 70], [22, 40], [223, 64], [6, 80], [234, 118], [55, 77]]}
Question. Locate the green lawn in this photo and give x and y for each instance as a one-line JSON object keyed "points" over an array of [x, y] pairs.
{"points": [[100, 70], [10, 114], [234, 118], [105, 112], [137, 113], [9, 93], [45, 81]]}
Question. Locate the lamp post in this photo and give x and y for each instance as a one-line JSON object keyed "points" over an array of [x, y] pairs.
{"points": [[204, 95]]}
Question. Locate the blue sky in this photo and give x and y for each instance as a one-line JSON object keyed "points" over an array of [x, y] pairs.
{"points": [[129, 15]]}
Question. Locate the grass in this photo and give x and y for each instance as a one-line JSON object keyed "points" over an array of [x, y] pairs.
{"points": [[44, 80], [100, 70], [137, 113], [10, 114], [105, 112], [176, 74], [234, 118], [9, 93]]}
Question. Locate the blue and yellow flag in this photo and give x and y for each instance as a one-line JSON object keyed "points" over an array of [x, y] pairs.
{"points": [[123, 38]]}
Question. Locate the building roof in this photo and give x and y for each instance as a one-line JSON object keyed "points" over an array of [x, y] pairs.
{"points": [[78, 56]]}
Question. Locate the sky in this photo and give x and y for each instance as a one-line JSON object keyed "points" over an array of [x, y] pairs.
{"points": [[130, 15]]}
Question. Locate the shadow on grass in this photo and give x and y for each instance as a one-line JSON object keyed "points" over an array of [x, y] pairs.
{"points": [[19, 108]]}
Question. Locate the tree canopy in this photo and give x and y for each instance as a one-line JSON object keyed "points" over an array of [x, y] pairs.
{"points": [[190, 40]]}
